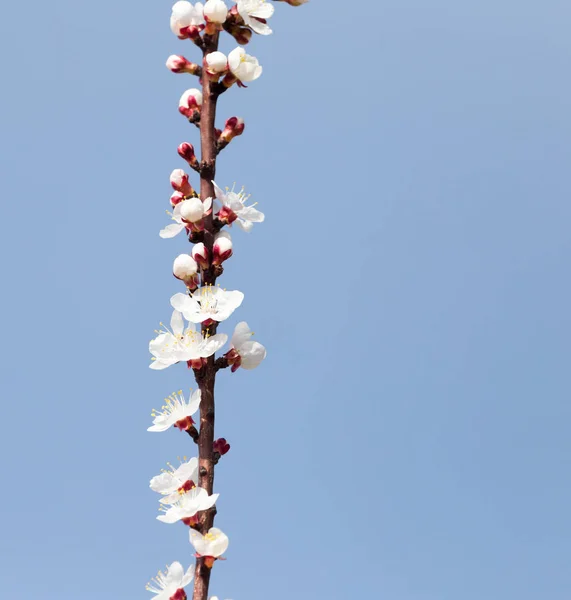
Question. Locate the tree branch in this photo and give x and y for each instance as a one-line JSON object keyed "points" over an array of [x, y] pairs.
{"points": [[207, 375]]}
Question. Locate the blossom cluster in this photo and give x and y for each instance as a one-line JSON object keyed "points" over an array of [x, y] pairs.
{"points": [[192, 336]]}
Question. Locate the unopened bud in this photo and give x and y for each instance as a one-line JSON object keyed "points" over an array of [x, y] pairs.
{"points": [[221, 446], [180, 183], [185, 268], [186, 152], [190, 103], [222, 248], [192, 210], [215, 11], [186, 20], [176, 198], [215, 63], [234, 126], [179, 64], [201, 255]]}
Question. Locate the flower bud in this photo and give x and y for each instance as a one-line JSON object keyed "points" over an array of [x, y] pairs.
{"points": [[215, 11], [187, 20], [221, 446], [185, 269], [176, 198], [222, 248], [234, 126], [180, 183], [192, 210], [200, 254], [186, 152], [190, 103], [215, 63], [179, 64]]}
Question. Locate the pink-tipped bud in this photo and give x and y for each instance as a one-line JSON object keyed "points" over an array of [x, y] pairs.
{"points": [[180, 183], [222, 248], [221, 446], [215, 64], [185, 269], [186, 152], [179, 64], [192, 210], [176, 198], [201, 255], [234, 126], [186, 20], [190, 103]]}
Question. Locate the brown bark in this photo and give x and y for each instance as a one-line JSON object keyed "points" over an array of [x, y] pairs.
{"points": [[207, 375]]}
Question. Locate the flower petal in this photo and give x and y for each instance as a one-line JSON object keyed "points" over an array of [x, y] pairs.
{"points": [[171, 230]]}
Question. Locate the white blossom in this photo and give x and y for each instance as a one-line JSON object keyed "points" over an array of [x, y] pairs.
{"points": [[188, 505], [193, 210], [188, 211], [215, 11], [243, 66], [166, 585], [233, 208], [208, 303], [176, 411], [185, 15], [172, 482], [182, 344], [250, 353], [213, 544], [254, 10]]}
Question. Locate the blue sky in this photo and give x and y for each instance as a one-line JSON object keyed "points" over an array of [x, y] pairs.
{"points": [[408, 435]]}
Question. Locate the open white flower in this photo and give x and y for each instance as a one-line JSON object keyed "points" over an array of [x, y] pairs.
{"points": [[211, 545], [254, 10], [245, 352], [243, 66], [184, 16], [187, 506], [186, 212], [182, 344], [208, 303], [176, 412], [166, 585], [233, 208], [171, 483]]}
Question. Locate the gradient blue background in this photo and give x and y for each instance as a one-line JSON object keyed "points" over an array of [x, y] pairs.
{"points": [[408, 436]]}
